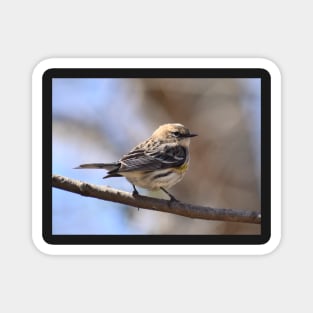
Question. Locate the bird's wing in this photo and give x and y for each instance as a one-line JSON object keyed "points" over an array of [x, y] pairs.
{"points": [[166, 156]]}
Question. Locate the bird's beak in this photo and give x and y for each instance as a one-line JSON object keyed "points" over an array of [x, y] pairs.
{"points": [[192, 135]]}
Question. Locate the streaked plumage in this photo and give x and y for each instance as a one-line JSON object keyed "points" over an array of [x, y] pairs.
{"points": [[159, 162]]}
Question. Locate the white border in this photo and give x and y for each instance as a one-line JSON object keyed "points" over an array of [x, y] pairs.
{"points": [[156, 63]]}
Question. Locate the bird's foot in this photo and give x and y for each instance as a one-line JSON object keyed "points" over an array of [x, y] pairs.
{"points": [[172, 198], [135, 191]]}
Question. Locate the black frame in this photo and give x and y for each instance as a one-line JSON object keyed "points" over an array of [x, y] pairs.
{"points": [[156, 73]]}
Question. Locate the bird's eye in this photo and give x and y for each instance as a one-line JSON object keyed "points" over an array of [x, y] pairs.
{"points": [[176, 134]]}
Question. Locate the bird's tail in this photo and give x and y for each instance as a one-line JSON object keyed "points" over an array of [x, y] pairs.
{"points": [[106, 166]]}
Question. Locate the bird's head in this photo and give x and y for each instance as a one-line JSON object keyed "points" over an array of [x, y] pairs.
{"points": [[173, 133]]}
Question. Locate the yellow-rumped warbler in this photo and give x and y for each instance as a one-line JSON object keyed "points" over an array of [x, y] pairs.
{"points": [[159, 162]]}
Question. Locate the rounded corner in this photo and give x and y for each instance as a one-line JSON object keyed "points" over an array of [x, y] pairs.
{"points": [[41, 244], [271, 244], [270, 67], [42, 67]]}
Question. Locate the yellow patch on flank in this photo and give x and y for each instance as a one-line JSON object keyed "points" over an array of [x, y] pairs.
{"points": [[182, 168]]}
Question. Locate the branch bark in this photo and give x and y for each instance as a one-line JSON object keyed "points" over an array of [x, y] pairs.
{"points": [[174, 207]]}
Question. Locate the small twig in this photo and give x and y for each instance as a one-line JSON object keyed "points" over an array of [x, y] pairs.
{"points": [[174, 207]]}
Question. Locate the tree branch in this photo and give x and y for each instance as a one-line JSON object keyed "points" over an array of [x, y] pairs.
{"points": [[174, 207]]}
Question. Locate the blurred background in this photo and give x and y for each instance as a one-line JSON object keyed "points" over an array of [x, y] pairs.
{"points": [[99, 120]]}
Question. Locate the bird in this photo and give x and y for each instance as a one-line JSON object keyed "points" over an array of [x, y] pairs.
{"points": [[159, 162]]}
